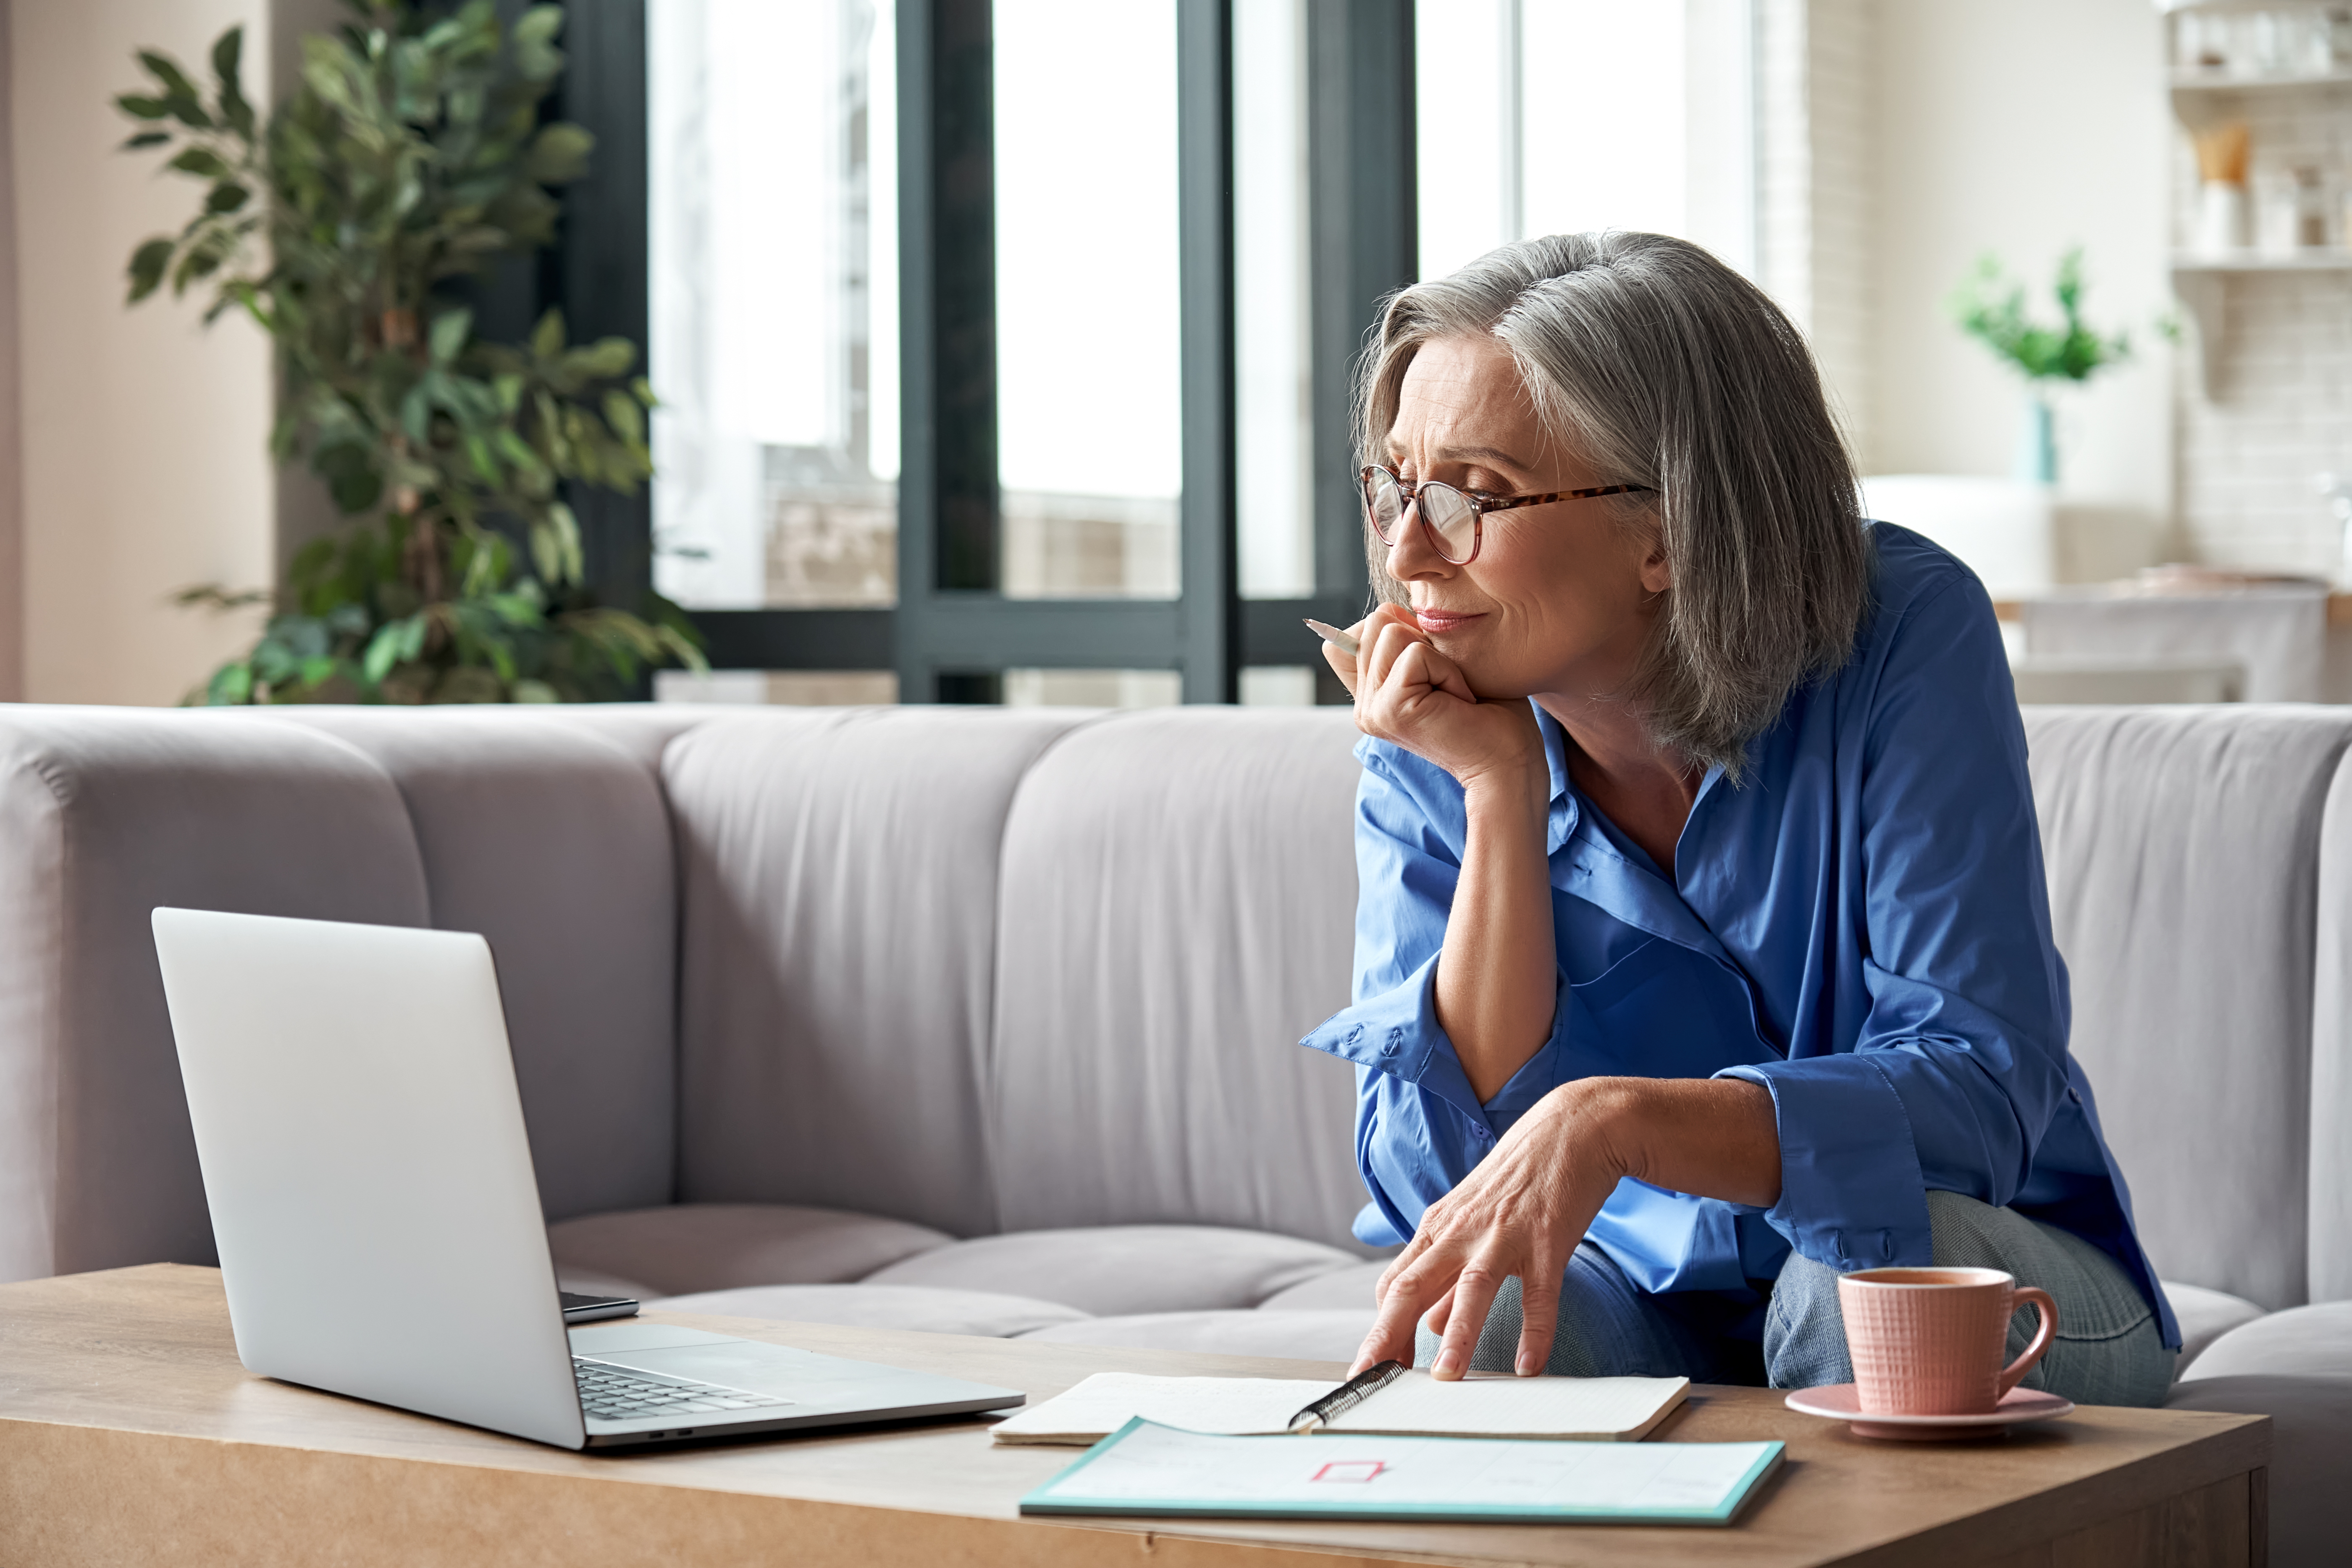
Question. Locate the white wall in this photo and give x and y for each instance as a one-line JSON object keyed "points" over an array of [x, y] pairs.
{"points": [[2020, 126], [143, 434], [11, 495]]}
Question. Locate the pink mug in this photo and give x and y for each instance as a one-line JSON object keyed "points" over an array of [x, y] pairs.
{"points": [[1928, 1342]]}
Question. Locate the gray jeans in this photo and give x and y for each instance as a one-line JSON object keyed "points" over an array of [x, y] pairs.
{"points": [[2109, 1349]]}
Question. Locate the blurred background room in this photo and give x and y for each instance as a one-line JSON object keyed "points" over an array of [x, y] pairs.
{"points": [[998, 350]]}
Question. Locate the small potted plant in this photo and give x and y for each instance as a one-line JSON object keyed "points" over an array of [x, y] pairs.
{"points": [[411, 155], [1990, 308]]}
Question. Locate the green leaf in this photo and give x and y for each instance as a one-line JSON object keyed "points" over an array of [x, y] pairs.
{"points": [[383, 652], [139, 106], [273, 661], [547, 337], [145, 139], [477, 453], [225, 198], [231, 685], [567, 534], [200, 261], [166, 71], [559, 153], [605, 357], [516, 609], [147, 265], [621, 412], [537, 26], [448, 335], [234, 108], [201, 162]]}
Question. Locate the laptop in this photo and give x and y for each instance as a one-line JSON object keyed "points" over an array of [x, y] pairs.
{"points": [[378, 1220]]}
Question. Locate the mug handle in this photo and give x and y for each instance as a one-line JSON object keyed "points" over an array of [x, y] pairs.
{"points": [[2048, 1312]]}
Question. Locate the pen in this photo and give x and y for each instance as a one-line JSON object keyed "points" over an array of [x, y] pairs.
{"points": [[1348, 1394], [1333, 635]]}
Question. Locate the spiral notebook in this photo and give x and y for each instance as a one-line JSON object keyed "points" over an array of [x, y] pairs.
{"points": [[1149, 1472], [1593, 1409]]}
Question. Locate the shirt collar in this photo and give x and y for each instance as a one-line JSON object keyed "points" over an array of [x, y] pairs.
{"points": [[1565, 808], [1594, 868]]}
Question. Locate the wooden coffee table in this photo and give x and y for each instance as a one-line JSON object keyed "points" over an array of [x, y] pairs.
{"points": [[129, 1434]]}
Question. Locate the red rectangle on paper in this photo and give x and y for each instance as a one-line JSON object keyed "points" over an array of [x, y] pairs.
{"points": [[1349, 1470]]}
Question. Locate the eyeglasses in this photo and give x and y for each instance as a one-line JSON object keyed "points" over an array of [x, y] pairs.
{"points": [[1455, 519]]}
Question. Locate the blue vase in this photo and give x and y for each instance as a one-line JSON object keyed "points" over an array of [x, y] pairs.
{"points": [[2037, 444]]}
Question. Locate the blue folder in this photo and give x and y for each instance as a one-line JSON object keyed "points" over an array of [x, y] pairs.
{"points": [[1145, 1470]]}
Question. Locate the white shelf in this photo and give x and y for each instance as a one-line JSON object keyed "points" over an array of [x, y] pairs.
{"points": [[2171, 6], [2202, 285], [2330, 259], [2189, 79]]}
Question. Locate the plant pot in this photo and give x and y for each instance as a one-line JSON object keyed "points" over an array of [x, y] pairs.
{"points": [[2037, 444]]}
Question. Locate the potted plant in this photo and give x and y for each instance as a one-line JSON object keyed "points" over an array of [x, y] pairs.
{"points": [[1991, 309], [411, 156]]}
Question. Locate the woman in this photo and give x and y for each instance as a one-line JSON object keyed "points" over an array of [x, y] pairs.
{"points": [[1703, 949]]}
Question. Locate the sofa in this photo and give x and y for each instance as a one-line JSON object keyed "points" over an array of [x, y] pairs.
{"points": [[983, 1020]]}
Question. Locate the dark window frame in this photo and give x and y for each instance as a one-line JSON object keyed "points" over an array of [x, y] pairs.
{"points": [[952, 636]]}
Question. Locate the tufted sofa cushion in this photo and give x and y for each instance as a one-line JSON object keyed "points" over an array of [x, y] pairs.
{"points": [[917, 1307], [1330, 1337], [1117, 1268], [552, 841], [1178, 908], [837, 930], [700, 1247]]}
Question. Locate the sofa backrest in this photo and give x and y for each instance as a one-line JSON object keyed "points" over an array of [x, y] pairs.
{"points": [[1178, 908], [989, 970], [2183, 846]]}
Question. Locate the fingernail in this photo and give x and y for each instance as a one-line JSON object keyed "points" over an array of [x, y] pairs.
{"points": [[1528, 1365], [1448, 1364]]}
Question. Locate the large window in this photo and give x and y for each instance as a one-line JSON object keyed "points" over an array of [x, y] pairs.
{"points": [[1090, 418], [1562, 115], [773, 250], [1005, 347]]}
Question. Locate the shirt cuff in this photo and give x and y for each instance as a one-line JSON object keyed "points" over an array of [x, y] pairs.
{"points": [[1851, 1193], [1537, 1077], [1396, 1032]]}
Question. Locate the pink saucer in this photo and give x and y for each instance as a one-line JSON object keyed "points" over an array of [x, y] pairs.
{"points": [[2018, 1408]]}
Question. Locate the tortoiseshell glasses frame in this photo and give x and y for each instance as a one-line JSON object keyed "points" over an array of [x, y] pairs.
{"points": [[1452, 515]]}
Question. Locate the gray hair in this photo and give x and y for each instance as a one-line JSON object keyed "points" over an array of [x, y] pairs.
{"points": [[1663, 367]]}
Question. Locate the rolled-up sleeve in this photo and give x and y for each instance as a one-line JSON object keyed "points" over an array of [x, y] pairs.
{"points": [[1420, 1128], [1960, 1062]]}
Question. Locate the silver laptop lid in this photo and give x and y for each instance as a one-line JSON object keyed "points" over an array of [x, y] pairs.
{"points": [[364, 1154]]}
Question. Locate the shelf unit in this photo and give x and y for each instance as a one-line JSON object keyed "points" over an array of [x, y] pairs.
{"points": [[2202, 96], [2192, 80]]}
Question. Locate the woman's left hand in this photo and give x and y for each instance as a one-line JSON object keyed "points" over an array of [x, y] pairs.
{"points": [[1521, 1211]]}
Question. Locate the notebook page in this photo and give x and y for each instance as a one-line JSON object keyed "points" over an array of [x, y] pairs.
{"points": [[1109, 1400], [1597, 1408]]}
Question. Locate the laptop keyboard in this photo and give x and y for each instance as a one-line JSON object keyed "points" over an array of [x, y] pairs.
{"points": [[611, 1393]]}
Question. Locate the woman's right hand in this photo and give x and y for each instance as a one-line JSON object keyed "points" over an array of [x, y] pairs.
{"points": [[1407, 692]]}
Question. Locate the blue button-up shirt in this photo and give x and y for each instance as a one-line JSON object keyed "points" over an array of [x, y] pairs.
{"points": [[1861, 926]]}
